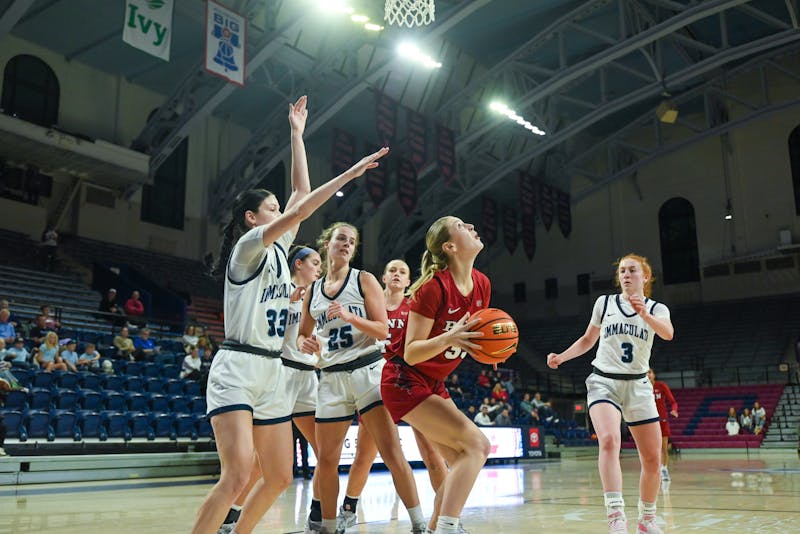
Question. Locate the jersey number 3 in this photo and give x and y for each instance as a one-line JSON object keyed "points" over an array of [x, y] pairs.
{"points": [[276, 322], [627, 353]]}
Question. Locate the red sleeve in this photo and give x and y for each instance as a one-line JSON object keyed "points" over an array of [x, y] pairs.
{"points": [[427, 299], [668, 394]]}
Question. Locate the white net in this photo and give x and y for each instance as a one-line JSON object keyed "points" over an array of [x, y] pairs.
{"points": [[410, 12]]}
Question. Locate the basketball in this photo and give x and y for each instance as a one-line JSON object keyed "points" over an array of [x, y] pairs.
{"points": [[500, 336]]}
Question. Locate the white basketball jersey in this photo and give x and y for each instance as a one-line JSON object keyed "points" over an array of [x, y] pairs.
{"points": [[341, 342], [257, 289], [625, 338], [290, 350]]}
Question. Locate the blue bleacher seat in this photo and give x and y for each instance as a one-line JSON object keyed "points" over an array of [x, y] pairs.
{"points": [[162, 424], [65, 424], [113, 382], [184, 426], [113, 400], [40, 398], [139, 423], [191, 388], [179, 404], [136, 401], [171, 370], [174, 386], [90, 400], [68, 380], [119, 366], [14, 421], [38, 424], [198, 404], [66, 399], [43, 379], [203, 427], [158, 402], [90, 380], [154, 385], [115, 424], [24, 376], [90, 425], [133, 368], [151, 370], [17, 400], [134, 383]]}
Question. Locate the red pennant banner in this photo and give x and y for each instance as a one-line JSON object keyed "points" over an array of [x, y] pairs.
{"points": [[417, 139], [407, 186], [489, 215], [564, 213], [527, 205], [343, 155], [445, 153], [510, 228], [375, 179], [386, 119], [546, 207]]}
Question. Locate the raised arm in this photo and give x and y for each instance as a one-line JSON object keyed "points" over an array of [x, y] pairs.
{"points": [[301, 183]]}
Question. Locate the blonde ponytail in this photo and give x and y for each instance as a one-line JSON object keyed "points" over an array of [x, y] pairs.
{"points": [[433, 259]]}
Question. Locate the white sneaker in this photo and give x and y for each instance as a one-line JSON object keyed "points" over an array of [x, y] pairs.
{"points": [[345, 519], [313, 527], [226, 528], [419, 528], [3, 452], [648, 526], [665, 474], [617, 523]]}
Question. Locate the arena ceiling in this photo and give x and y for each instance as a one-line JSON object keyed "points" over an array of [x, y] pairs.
{"points": [[582, 70]]}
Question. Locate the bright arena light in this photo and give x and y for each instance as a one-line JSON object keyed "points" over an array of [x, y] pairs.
{"points": [[412, 52], [359, 18], [335, 6], [339, 194], [503, 109], [373, 27]]}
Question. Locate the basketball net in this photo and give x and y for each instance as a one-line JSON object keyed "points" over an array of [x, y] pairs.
{"points": [[410, 12]]}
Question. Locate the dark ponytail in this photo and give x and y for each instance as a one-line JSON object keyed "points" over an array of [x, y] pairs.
{"points": [[249, 200]]}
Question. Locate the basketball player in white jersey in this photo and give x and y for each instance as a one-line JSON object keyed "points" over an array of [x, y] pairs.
{"points": [[344, 321], [246, 381], [626, 325]]}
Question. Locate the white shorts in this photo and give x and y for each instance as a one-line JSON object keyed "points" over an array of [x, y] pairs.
{"points": [[244, 381], [634, 398], [301, 390], [341, 393]]}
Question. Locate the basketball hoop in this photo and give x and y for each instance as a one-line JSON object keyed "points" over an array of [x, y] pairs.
{"points": [[410, 13]]}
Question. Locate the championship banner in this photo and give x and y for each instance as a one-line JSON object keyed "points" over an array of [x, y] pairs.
{"points": [[375, 179], [386, 120], [407, 185], [564, 213], [445, 154], [510, 228], [489, 215], [343, 154], [148, 26], [225, 43], [546, 207], [527, 205], [417, 139]]}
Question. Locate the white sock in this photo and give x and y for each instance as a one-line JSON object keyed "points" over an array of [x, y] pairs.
{"points": [[415, 514], [647, 510], [329, 525], [614, 502], [446, 525]]}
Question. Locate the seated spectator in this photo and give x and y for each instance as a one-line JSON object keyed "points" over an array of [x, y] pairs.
{"points": [[209, 342], [732, 425], [144, 347], [18, 354], [109, 305], [503, 419], [134, 309], [190, 368], [499, 393], [508, 384], [50, 322], [124, 344], [204, 348], [68, 354], [471, 412], [483, 381], [189, 337], [90, 359], [7, 332], [529, 413], [759, 418], [13, 319], [47, 356], [3, 350], [7, 379], [545, 409], [746, 422], [483, 419], [454, 386], [40, 330]]}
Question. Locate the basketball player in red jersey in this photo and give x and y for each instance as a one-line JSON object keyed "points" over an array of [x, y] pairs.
{"points": [[436, 339], [662, 392]]}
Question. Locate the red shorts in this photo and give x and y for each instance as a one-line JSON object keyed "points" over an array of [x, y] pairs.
{"points": [[403, 388], [664, 424]]}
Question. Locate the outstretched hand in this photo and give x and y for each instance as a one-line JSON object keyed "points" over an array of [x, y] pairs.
{"points": [[368, 162], [298, 115], [552, 361]]}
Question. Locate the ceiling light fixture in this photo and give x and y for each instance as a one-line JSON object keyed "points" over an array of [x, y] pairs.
{"points": [[503, 109], [413, 52]]}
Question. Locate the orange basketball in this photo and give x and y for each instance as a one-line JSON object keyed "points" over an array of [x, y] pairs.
{"points": [[500, 336]]}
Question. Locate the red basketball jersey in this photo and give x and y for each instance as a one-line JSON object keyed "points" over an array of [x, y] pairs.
{"points": [[663, 394], [398, 318], [439, 299]]}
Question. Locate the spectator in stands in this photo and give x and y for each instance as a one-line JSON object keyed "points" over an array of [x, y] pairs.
{"points": [[7, 331], [145, 348], [499, 393], [483, 419], [470, 411], [529, 413], [484, 382], [109, 305], [90, 359], [49, 321], [40, 330], [3, 350], [454, 386], [759, 418], [503, 419], [47, 354], [746, 422], [546, 411], [209, 341], [12, 317], [49, 246], [68, 354], [189, 338], [124, 344], [18, 354], [190, 368], [204, 348], [732, 425], [508, 384], [8, 381], [134, 309]]}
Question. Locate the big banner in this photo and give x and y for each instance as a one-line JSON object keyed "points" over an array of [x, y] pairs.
{"points": [[407, 186], [225, 43], [510, 228], [527, 208], [148, 26], [375, 179], [386, 119], [546, 207], [445, 154], [417, 139], [489, 225], [564, 213]]}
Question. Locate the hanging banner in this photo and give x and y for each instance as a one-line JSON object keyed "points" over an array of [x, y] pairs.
{"points": [[417, 139], [225, 43], [148, 26], [527, 208], [489, 215], [386, 120], [407, 186], [510, 228], [343, 154], [375, 179], [546, 207], [564, 213], [445, 154]]}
